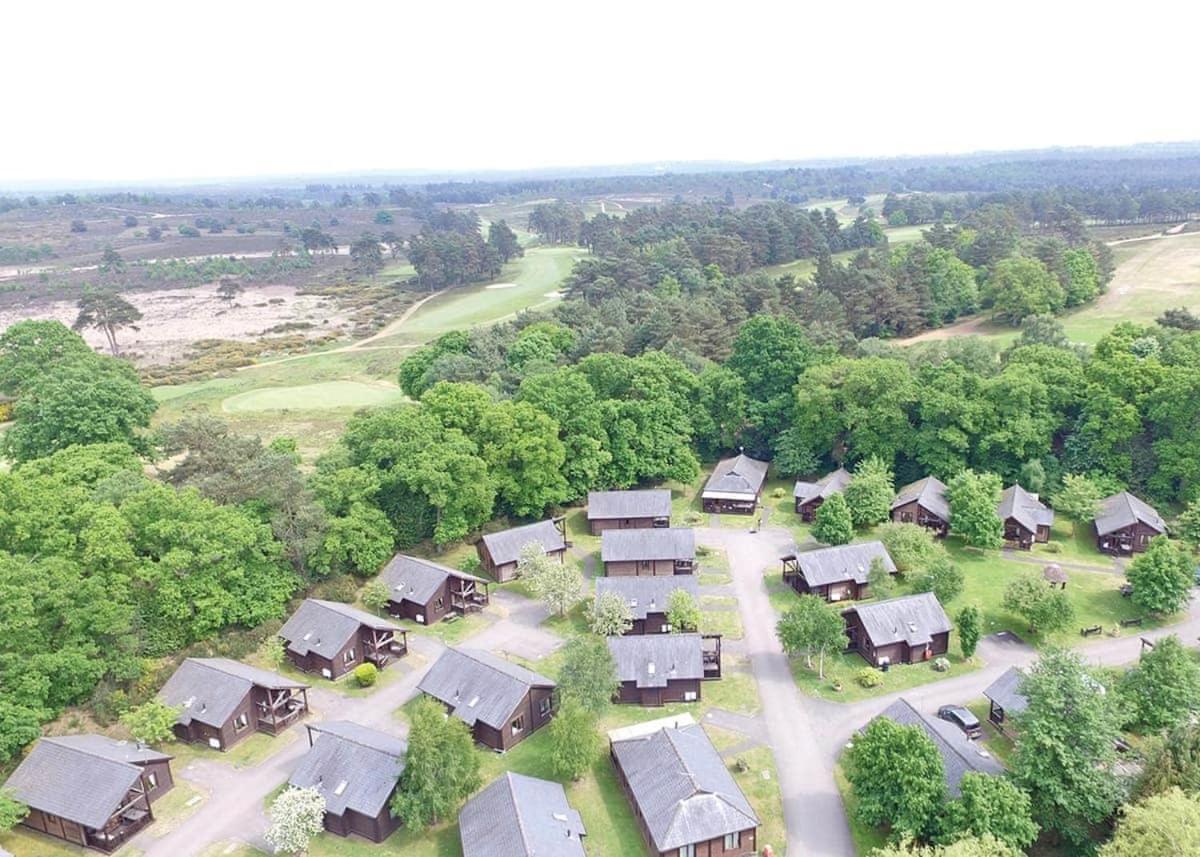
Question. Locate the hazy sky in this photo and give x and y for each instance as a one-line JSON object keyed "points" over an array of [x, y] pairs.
{"points": [[130, 91]]}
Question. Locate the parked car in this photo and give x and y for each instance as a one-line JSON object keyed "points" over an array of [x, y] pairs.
{"points": [[962, 718]]}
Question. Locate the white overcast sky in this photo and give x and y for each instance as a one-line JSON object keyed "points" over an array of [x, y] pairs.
{"points": [[121, 91]]}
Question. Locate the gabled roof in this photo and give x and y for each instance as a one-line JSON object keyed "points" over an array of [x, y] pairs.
{"points": [[827, 485], [930, 494], [1025, 508], [409, 578], [647, 544], [844, 562], [911, 619], [682, 788], [210, 689], [645, 503], [325, 627], [960, 755], [505, 546], [520, 816], [353, 767], [82, 778], [651, 660], [1124, 510], [648, 594], [1005, 692], [480, 686], [736, 478]]}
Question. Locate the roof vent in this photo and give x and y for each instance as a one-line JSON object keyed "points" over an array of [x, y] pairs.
{"points": [[650, 668], [187, 703], [341, 787], [633, 602], [912, 626], [558, 816], [474, 701], [308, 635], [652, 604]]}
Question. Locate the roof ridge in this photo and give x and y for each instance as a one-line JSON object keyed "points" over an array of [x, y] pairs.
{"points": [[516, 806], [85, 752], [492, 666], [355, 741]]}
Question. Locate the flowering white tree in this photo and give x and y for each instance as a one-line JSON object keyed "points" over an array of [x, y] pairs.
{"points": [[556, 584], [610, 615], [297, 815]]}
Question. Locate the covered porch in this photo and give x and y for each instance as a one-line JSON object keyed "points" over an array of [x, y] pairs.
{"points": [[124, 824], [281, 709], [469, 596], [710, 652], [382, 647]]}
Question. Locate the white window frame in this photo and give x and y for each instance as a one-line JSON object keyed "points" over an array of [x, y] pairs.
{"points": [[152, 779], [733, 840], [241, 722], [518, 724], [348, 656], [687, 850]]}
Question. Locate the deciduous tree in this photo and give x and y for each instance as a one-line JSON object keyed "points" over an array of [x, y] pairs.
{"points": [[832, 523], [683, 613], [1046, 609], [1164, 688], [993, 806], [297, 817], [574, 740], [1078, 499], [441, 767], [555, 583], [1165, 825], [973, 500], [897, 777], [151, 722], [942, 577], [870, 492], [588, 674], [812, 627], [1162, 577], [970, 628]]}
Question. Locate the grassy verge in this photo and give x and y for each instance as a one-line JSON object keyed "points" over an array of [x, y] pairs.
{"points": [[844, 667], [23, 842], [723, 620], [866, 839], [175, 806], [246, 754], [451, 633], [993, 740], [760, 783]]}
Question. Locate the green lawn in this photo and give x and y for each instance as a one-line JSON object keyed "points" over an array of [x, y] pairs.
{"points": [[993, 740], [23, 842], [175, 806], [245, 754], [1071, 542], [452, 632], [322, 396], [760, 783], [844, 667], [866, 839], [727, 622]]}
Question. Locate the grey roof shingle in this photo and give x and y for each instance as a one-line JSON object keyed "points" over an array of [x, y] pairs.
{"points": [[1025, 508], [649, 594], [827, 485], [82, 778], [409, 578], [479, 685], [844, 562], [930, 494], [210, 689], [651, 660], [911, 619], [682, 788], [645, 503], [1005, 692], [520, 816], [1124, 510], [353, 767], [325, 627], [647, 544], [740, 475], [960, 755], [505, 546]]}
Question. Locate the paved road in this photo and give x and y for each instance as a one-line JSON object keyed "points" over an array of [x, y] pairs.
{"points": [[807, 734]]}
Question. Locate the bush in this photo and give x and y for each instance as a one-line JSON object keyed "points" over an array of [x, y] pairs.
{"points": [[869, 677], [470, 564], [189, 231], [366, 675], [941, 665], [341, 589], [130, 221], [777, 493], [1054, 547], [78, 226]]}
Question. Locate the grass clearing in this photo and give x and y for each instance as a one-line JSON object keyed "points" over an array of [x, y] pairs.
{"points": [[844, 666], [449, 632], [245, 754], [322, 396], [23, 842]]}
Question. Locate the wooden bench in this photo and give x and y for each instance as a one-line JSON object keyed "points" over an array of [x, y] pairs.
{"points": [[1131, 623], [1091, 632]]}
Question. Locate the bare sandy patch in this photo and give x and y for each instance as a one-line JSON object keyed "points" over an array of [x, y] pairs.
{"points": [[501, 286]]}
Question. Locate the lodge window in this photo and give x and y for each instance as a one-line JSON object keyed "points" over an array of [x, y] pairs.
{"points": [[544, 706], [645, 563], [687, 851], [241, 722], [152, 780], [348, 657], [733, 840], [440, 603], [518, 725]]}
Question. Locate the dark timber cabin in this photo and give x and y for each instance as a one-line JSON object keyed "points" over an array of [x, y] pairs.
{"points": [[646, 553], [355, 769], [520, 816], [331, 638], [810, 495], [734, 486], [686, 802], [923, 502], [90, 790], [425, 592], [223, 701], [655, 669], [960, 755], [838, 573], [499, 552], [502, 703], [898, 631], [1004, 696], [1126, 524], [628, 510], [647, 598], [1026, 518]]}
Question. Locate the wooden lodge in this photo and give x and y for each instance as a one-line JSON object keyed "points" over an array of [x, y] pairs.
{"points": [[1026, 518], [960, 755], [425, 592], [838, 573], [331, 639], [656, 669], [647, 598], [222, 702], [646, 553], [810, 495], [520, 816], [90, 790], [684, 798], [356, 770], [502, 703], [923, 502], [628, 510], [902, 630], [1125, 525], [734, 486], [499, 552]]}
